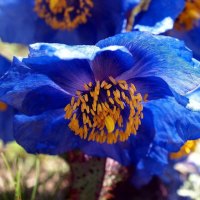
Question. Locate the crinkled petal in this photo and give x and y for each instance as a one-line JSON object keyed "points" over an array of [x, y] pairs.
{"points": [[6, 125], [144, 138], [174, 124], [31, 93], [4, 65], [47, 133], [7, 113], [191, 39], [111, 61], [153, 164], [159, 16], [160, 56]]}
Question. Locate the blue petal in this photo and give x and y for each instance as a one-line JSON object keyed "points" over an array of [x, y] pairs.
{"points": [[17, 15], [194, 99], [47, 133], [130, 4], [6, 125], [46, 98], [4, 65], [31, 93], [6, 117], [160, 56], [159, 16], [155, 87], [118, 152], [174, 124], [156, 163], [71, 75], [153, 164], [63, 51], [67, 66], [191, 39], [145, 136], [111, 61]]}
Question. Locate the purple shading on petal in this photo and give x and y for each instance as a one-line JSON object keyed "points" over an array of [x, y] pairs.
{"points": [[111, 61]]}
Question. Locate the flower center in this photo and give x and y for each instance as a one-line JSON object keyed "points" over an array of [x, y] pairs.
{"points": [[3, 106], [186, 149], [64, 14], [107, 111], [190, 15]]}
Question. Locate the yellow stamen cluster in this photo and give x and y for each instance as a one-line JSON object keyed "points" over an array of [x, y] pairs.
{"points": [[108, 111], [186, 149], [3, 106], [190, 15], [64, 14]]}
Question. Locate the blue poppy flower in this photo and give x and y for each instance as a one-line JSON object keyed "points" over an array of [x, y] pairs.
{"points": [[156, 16], [6, 113], [71, 22], [117, 99]]}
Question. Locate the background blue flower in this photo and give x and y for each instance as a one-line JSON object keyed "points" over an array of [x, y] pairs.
{"points": [[159, 16], [19, 15]]}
